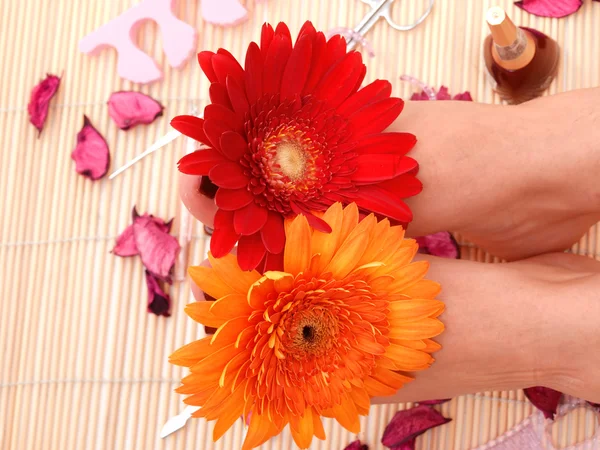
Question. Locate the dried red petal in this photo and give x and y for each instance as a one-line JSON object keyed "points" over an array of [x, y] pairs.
{"points": [[39, 102], [550, 8], [595, 405], [356, 445], [544, 399], [408, 445], [157, 248], [406, 425], [91, 155], [443, 94], [435, 402], [125, 245], [129, 108], [159, 302], [438, 244]]}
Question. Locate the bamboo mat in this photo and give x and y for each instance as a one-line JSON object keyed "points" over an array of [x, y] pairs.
{"points": [[82, 364]]}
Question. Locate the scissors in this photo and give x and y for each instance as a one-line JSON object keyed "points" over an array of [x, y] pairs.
{"points": [[381, 8]]}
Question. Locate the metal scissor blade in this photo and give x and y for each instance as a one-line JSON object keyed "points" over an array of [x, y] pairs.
{"points": [[169, 137]]}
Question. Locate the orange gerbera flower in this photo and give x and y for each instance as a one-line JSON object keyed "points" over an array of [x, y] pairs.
{"points": [[348, 313]]}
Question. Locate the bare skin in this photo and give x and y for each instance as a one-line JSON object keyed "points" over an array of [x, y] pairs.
{"points": [[517, 181]]}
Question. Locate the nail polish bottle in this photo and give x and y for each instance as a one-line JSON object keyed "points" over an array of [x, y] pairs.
{"points": [[522, 61]]}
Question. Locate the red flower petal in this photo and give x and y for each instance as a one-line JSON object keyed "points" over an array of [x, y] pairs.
{"points": [[158, 249], [224, 64], [376, 117], [317, 64], [372, 168], [128, 109], [336, 49], [266, 38], [237, 97], [225, 116], [205, 61], [273, 233], [356, 445], [465, 96], [233, 199], [440, 244], [544, 399], [159, 302], [218, 94], [396, 143], [550, 8], [250, 252], [276, 60], [282, 29], [91, 155], [190, 126], [228, 175], [233, 145], [408, 424], [404, 186], [200, 162], [39, 101], [371, 93], [341, 80], [224, 236], [254, 73], [273, 261], [378, 200], [316, 222], [213, 130], [250, 219], [297, 68]]}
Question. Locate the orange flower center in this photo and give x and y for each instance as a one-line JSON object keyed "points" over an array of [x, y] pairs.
{"points": [[314, 337]]}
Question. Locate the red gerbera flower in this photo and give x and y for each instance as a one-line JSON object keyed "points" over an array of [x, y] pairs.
{"points": [[291, 133]]}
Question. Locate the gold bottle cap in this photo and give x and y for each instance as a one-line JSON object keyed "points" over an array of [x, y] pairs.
{"points": [[513, 48]]}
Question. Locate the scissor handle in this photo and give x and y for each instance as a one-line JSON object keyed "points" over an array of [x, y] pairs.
{"points": [[385, 12]]}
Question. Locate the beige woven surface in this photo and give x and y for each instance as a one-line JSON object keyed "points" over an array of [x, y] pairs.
{"points": [[82, 364]]}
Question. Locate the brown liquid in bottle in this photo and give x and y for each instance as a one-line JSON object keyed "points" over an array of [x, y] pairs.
{"points": [[522, 61]]}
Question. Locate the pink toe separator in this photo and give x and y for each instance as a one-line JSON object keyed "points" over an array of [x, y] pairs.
{"points": [[179, 40], [223, 12]]}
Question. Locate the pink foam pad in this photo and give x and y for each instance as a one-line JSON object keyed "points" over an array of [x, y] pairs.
{"points": [[223, 12], [179, 40]]}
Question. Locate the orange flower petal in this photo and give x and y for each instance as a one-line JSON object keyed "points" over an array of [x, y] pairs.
{"points": [[327, 243], [423, 289], [231, 306], [408, 275], [200, 312], [431, 346], [228, 270], [191, 353], [282, 282], [257, 431], [377, 238], [351, 250], [416, 345], [413, 310], [232, 410], [229, 331], [408, 359], [259, 292], [207, 280], [318, 429], [296, 256], [376, 388], [216, 361], [302, 429], [361, 398], [347, 416], [349, 222], [393, 379], [422, 329]]}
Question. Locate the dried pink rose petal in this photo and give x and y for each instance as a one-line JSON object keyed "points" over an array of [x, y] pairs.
{"points": [[408, 445], [356, 445], [157, 248], [159, 301], [129, 108], [438, 244], [442, 94], [544, 399], [125, 245], [595, 405], [39, 102], [550, 8], [91, 154], [435, 402], [406, 425]]}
